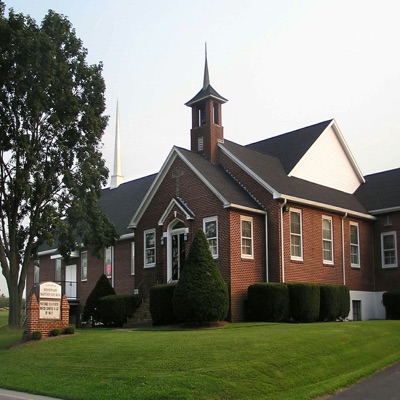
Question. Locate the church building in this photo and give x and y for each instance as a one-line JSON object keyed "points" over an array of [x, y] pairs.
{"points": [[291, 208]]}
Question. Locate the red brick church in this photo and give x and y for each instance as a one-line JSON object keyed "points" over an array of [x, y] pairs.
{"points": [[291, 208]]}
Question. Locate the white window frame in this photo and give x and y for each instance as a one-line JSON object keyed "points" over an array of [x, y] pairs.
{"points": [[292, 234], [209, 239], [132, 258], [251, 238], [395, 264], [145, 233], [36, 272], [355, 245], [57, 271], [111, 250], [84, 268], [327, 240]]}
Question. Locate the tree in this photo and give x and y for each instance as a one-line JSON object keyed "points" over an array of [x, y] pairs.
{"points": [[51, 124], [103, 288], [201, 294]]}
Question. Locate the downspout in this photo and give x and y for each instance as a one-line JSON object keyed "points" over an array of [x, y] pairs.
{"points": [[343, 254], [282, 244], [266, 249]]}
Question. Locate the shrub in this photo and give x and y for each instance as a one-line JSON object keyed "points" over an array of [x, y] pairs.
{"points": [[161, 309], [268, 302], [391, 301], [36, 335], [344, 295], [201, 294], [103, 288], [69, 330], [114, 310], [304, 301], [55, 332]]}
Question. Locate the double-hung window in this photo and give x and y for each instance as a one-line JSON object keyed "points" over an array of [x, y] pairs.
{"points": [[327, 240], [57, 271], [210, 227], [389, 249], [150, 248], [84, 263], [354, 245], [246, 229], [108, 261], [133, 258], [296, 239], [36, 272]]}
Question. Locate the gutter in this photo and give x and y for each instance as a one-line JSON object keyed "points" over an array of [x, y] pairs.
{"points": [[282, 244], [266, 250], [343, 254]]}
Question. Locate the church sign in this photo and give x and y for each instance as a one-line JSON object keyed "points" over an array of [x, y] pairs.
{"points": [[50, 301]]}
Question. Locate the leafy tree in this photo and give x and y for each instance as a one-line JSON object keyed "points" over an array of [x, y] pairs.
{"points": [[103, 288], [201, 294], [51, 124]]}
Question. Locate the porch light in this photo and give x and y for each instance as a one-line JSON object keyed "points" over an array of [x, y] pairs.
{"points": [[162, 240]]}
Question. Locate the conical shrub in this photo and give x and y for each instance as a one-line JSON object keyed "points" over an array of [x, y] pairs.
{"points": [[201, 295]]}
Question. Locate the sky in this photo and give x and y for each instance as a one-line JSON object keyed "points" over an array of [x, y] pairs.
{"points": [[282, 65]]}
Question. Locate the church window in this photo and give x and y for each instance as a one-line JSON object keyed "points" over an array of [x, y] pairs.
{"points": [[327, 240], [108, 262], [36, 270], [246, 228], [216, 113], [354, 245], [57, 271], [202, 115], [84, 264], [150, 248], [389, 249], [210, 227]]}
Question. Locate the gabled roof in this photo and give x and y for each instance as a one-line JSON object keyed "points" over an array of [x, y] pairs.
{"points": [[381, 192], [121, 203], [268, 171], [214, 177], [290, 147]]}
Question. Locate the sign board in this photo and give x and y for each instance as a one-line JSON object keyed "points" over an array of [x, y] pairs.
{"points": [[50, 301]]}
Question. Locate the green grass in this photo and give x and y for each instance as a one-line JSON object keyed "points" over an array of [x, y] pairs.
{"points": [[239, 361]]}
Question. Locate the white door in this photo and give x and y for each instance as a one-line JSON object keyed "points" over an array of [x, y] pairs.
{"points": [[70, 281]]}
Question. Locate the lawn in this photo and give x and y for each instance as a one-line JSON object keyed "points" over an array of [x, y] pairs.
{"points": [[238, 361]]}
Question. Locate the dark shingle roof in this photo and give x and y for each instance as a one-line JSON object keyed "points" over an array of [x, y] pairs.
{"points": [[121, 203], [220, 180], [381, 190], [271, 171], [290, 147], [205, 93]]}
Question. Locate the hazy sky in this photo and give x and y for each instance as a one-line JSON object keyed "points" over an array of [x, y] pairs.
{"points": [[283, 65]]}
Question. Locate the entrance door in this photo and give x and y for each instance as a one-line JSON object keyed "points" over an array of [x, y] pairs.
{"points": [[70, 281], [178, 254]]}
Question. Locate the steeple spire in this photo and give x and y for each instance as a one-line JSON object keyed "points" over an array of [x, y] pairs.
{"points": [[206, 81], [117, 177]]}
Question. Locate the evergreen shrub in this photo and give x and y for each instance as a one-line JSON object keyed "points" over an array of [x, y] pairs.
{"points": [[55, 332], [103, 288], [161, 309], [114, 310], [344, 295], [69, 330], [36, 335], [201, 295], [304, 301], [268, 302], [391, 301]]}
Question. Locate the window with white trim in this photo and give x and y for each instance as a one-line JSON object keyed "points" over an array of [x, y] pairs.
{"points": [[150, 248], [108, 262], [210, 228], [84, 264], [389, 249], [36, 271], [246, 229], [133, 258], [296, 236], [57, 271], [354, 245], [327, 240]]}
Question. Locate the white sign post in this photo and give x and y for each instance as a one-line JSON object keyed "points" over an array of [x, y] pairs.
{"points": [[50, 301]]}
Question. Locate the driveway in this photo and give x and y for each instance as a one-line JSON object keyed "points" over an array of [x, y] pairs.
{"points": [[11, 395]]}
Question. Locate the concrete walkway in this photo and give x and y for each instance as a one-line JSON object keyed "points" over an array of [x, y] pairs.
{"points": [[11, 395]]}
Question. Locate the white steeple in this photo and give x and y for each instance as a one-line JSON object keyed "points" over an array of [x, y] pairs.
{"points": [[117, 178]]}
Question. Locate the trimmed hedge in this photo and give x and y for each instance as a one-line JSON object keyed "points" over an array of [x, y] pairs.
{"points": [[304, 301], [391, 301], [114, 310], [268, 302], [161, 309], [334, 302]]}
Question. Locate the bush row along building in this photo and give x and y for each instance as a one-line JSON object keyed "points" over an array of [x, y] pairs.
{"points": [[291, 208]]}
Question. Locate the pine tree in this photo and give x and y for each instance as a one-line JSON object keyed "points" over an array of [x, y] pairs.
{"points": [[201, 295]]}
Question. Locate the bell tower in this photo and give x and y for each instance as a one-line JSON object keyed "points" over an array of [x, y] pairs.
{"points": [[207, 129]]}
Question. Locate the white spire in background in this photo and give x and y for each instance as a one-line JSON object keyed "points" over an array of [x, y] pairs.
{"points": [[117, 177]]}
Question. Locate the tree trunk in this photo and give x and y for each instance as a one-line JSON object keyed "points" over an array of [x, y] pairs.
{"points": [[14, 316]]}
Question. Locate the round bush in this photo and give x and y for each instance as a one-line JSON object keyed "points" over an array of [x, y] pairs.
{"points": [[69, 330], [161, 309], [36, 335], [55, 332]]}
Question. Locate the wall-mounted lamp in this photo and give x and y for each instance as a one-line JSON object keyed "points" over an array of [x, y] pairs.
{"points": [[162, 240], [185, 236]]}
